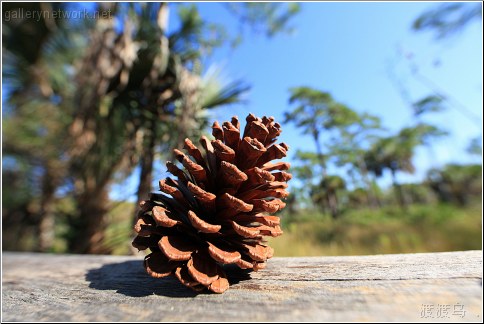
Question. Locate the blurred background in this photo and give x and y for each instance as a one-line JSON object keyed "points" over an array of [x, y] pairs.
{"points": [[380, 104]]}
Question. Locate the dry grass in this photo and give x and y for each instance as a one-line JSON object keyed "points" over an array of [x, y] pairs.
{"points": [[420, 229]]}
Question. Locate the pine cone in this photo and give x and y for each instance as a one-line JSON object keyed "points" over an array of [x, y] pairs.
{"points": [[216, 213]]}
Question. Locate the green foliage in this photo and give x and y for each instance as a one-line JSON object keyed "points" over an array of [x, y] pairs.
{"points": [[195, 37], [354, 141], [305, 170], [19, 195], [267, 18], [431, 103], [333, 183], [475, 146], [395, 152], [316, 111], [456, 183], [448, 18], [216, 92], [357, 197]]}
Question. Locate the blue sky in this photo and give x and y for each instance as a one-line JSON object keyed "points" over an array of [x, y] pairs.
{"points": [[348, 49]]}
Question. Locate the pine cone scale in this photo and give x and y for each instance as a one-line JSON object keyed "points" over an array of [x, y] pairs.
{"points": [[161, 218], [226, 256], [184, 277], [246, 232], [231, 175], [158, 266], [231, 135], [257, 252], [206, 199], [176, 249], [228, 201], [202, 269], [201, 225], [219, 286], [251, 150], [244, 264], [194, 152]]}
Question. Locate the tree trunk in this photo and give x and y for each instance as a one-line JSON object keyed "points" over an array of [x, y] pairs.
{"points": [[371, 194], [150, 137], [333, 204], [398, 191], [374, 184], [146, 164], [45, 229], [89, 228], [331, 200]]}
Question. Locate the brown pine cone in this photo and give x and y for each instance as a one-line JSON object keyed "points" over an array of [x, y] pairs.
{"points": [[217, 212]]}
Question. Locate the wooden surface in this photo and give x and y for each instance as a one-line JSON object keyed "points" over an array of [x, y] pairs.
{"points": [[412, 287]]}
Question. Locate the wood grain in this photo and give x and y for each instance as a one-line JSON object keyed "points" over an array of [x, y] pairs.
{"points": [[43, 287]]}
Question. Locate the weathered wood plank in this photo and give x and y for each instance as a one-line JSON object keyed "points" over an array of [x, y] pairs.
{"points": [[41, 287]]}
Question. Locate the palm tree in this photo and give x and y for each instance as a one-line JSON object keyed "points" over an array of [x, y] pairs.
{"points": [[349, 149], [329, 186], [316, 111], [395, 153]]}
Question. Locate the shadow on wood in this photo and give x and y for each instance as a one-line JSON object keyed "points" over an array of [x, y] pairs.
{"points": [[130, 279]]}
